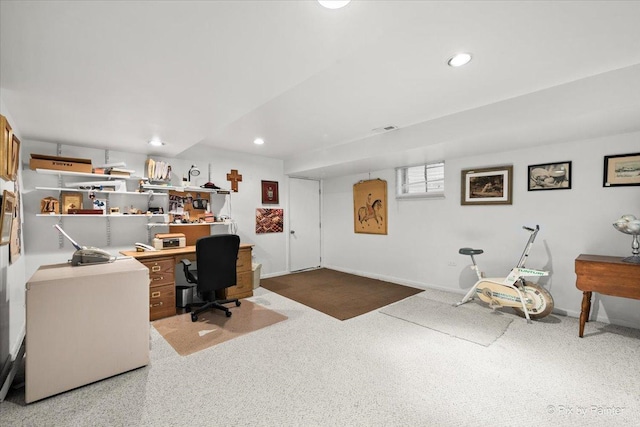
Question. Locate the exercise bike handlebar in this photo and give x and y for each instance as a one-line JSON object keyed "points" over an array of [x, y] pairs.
{"points": [[527, 248]]}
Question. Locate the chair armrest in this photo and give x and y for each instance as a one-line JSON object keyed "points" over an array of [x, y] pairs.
{"points": [[188, 274]]}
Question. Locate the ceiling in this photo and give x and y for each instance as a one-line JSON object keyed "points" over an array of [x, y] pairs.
{"points": [[318, 84]]}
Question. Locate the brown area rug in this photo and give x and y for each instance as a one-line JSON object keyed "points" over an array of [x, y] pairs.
{"points": [[213, 327], [340, 295]]}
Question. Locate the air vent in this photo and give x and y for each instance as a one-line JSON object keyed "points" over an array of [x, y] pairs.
{"points": [[385, 129]]}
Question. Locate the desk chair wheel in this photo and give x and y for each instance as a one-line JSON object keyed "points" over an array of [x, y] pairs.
{"points": [[237, 303], [194, 317], [228, 313]]}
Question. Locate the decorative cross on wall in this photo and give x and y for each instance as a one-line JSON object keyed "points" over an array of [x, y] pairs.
{"points": [[234, 177]]}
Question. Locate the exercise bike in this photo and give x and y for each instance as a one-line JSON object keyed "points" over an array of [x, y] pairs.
{"points": [[527, 299]]}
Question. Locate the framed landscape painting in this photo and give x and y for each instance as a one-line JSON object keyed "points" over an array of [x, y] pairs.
{"points": [[487, 186], [621, 170]]}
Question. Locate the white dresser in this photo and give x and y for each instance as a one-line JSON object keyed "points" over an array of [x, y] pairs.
{"points": [[84, 324]]}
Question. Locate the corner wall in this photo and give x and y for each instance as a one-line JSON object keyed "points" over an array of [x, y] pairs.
{"points": [[421, 248]]}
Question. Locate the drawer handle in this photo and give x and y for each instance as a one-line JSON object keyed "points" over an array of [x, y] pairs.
{"points": [[155, 305], [157, 278], [155, 268], [155, 294]]}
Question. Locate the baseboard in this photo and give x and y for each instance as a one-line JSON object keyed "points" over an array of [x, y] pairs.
{"points": [[419, 285]]}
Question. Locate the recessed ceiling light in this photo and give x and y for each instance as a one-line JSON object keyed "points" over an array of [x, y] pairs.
{"points": [[258, 141], [156, 142], [334, 4], [459, 59]]}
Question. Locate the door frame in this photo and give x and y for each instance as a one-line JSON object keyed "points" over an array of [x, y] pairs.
{"points": [[288, 220]]}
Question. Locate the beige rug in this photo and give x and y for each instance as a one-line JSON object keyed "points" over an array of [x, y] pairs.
{"points": [[213, 327], [471, 321]]}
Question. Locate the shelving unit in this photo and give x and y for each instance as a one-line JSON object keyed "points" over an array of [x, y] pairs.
{"points": [[146, 189]]}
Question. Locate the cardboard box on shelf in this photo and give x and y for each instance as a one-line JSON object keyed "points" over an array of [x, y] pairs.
{"points": [[68, 164]]}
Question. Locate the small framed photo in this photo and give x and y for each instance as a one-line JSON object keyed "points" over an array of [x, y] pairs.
{"points": [[71, 201], [549, 176], [13, 158], [621, 170], [270, 193], [487, 186], [6, 216]]}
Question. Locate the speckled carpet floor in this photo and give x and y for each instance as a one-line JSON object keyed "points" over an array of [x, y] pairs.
{"points": [[372, 370]]}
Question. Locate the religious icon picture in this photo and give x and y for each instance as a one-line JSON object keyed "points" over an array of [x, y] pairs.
{"points": [[270, 192]]}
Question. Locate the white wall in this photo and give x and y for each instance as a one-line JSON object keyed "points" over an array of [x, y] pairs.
{"points": [[41, 239], [12, 280], [424, 235]]}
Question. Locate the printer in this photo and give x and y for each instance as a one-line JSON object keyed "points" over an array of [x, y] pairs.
{"points": [[169, 241]]}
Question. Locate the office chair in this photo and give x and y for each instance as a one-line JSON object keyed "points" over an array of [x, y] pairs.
{"points": [[216, 270]]}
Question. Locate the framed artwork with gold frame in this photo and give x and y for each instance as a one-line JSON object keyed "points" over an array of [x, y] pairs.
{"points": [[6, 137], [6, 216], [13, 158], [71, 201], [370, 207]]}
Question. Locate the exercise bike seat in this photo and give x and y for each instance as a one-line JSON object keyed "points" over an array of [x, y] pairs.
{"points": [[470, 251]]}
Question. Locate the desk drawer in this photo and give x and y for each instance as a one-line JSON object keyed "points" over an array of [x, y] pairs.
{"points": [[162, 301], [161, 271], [243, 288], [244, 260]]}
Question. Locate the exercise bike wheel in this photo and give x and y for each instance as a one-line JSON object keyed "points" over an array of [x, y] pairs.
{"points": [[542, 301]]}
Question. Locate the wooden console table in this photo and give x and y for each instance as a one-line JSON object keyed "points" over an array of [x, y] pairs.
{"points": [[607, 275]]}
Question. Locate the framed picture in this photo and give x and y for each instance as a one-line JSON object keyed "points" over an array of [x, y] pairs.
{"points": [[621, 170], [14, 158], [549, 176], [6, 138], [71, 201], [269, 221], [6, 216], [487, 186], [270, 193], [370, 207]]}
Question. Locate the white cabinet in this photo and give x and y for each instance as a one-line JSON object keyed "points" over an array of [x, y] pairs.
{"points": [[85, 324]]}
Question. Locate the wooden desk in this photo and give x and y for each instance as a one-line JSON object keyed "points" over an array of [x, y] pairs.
{"points": [[162, 280], [607, 275]]}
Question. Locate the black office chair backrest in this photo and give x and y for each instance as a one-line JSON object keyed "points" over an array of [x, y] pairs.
{"points": [[217, 256]]}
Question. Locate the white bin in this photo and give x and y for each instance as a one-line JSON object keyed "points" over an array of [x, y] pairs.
{"points": [[255, 267]]}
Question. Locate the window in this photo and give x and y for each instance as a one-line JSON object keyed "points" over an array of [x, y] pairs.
{"points": [[420, 181]]}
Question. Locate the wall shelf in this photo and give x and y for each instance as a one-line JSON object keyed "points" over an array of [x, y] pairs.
{"points": [[184, 189], [76, 190], [104, 216], [87, 175]]}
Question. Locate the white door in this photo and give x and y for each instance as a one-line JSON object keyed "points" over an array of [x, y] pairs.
{"points": [[304, 224]]}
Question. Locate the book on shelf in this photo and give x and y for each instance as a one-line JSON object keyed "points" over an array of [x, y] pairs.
{"points": [[120, 171]]}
